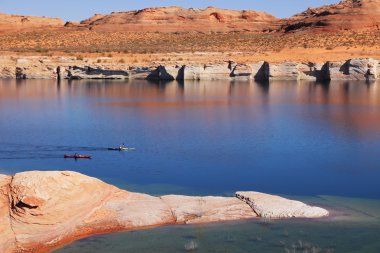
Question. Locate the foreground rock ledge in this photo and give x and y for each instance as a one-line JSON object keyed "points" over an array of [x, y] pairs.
{"points": [[42, 210]]}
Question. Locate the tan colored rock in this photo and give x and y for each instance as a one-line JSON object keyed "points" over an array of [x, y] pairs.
{"points": [[363, 69], [311, 71], [275, 207], [44, 67], [192, 72], [242, 71], [7, 236], [207, 72], [49, 206], [139, 73], [94, 72], [177, 19], [284, 71], [338, 70], [354, 69], [42, 210], [135, 210], [190, 210], [7, 72], [7, 67]]}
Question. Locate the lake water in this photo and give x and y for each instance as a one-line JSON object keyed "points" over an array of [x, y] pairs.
{"points": [[306, 140]]}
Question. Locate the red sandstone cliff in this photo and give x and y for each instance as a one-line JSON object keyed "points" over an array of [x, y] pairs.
{"points": [[346, 15], [22, 22], [177, 19]]}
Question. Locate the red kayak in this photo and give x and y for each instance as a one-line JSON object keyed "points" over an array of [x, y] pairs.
{"points": [[78, 156]]}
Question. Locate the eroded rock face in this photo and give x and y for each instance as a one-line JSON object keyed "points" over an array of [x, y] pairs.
{"points": [[354, 69], [207, 72], [44, 67], [284, 71], [363, 67], [95, 72], [177, 19], [346, 15], [48, 207], [22, 22], [7, 236], [190, 210], [275, 207], [163, 73], [42, 210], [242, 71]]}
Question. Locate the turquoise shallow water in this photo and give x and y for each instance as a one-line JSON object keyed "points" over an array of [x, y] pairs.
{"points": [[353, 227], [208, 138]]}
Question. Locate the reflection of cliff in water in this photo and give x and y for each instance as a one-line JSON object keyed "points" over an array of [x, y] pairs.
{"points": [[353, 106]]}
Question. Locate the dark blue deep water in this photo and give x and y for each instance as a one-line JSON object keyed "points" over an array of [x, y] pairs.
{"points": [[209, 137], [216, 137]]}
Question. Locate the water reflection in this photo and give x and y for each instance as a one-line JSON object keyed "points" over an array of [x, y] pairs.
{"points": [[280, 137], [339, 97]]}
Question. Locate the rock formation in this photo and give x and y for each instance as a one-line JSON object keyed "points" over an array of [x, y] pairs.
{"points": [[42, 67], [346, 15], [269, 206], [21, 22], [42, 210], [177, 19]]}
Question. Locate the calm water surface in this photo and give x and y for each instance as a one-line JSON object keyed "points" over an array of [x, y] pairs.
{"points": [[296, 139]]}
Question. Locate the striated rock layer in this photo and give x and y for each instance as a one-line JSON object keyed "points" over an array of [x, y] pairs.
{"points": [[177, 19], [346, 15], [42, 210], [22, 22], [35, 67], [269, 206]]}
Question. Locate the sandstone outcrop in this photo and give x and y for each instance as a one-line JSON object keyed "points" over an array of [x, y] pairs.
{"points": [[21, 22], [346, 15], [270, 206], [162, 73], [43, 67], [42, 210], [177, 19], [88, 72], [190, 210], [7, 236]]}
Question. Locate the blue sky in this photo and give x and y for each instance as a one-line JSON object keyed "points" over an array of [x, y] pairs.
{"points": [[81, 9]]}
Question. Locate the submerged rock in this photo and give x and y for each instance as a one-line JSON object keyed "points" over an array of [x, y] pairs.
{"points": [[191, 246], [42, 210]]}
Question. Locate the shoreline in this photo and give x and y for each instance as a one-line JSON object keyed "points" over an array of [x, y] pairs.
{"points": [[42, 211], [74, 68]]}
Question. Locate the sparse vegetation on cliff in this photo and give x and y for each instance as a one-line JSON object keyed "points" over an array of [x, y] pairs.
{"points": [[100, 42]]}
